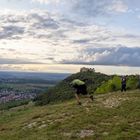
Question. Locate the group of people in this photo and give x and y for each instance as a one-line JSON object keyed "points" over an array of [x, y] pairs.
{"points": [[81, 88]]}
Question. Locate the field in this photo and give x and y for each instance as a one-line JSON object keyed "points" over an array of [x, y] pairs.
{"points": [[112, 116]]}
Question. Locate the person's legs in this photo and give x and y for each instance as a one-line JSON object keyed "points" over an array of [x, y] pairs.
{"points": [[91, 97], [82, 90], [86, 94], [77, 98], [124, 87]]}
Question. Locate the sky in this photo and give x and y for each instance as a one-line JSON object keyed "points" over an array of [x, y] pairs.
{"points": [[47, 34]]}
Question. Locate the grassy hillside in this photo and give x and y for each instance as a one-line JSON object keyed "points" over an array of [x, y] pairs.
{"points": [[96, 83], [113, 116], [63, 90]]}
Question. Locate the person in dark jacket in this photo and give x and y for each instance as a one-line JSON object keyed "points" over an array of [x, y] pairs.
{"points": [[80, 88], [123, 83]]}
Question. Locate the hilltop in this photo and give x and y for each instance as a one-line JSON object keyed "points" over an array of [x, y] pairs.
{"points": [[63, 91], [112, 116], [97, 83]]}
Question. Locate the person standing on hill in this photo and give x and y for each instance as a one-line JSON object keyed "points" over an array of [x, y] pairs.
{"points": [[80, 88], [123, 83]]}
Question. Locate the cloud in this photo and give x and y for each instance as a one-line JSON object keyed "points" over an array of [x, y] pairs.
{"points": [[44, 21], [92, 8], [46, 1], [107, 56], [50, 38], [82, 41], [10, 31], [130, 36], [16, 61], [96, 8], [14, 25], [118, 6]]}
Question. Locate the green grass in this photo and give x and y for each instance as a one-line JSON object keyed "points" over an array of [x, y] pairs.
{"points": [[11, 104], [113, 116]]}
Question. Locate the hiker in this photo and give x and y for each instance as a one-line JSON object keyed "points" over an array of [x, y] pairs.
{"points": [[80, 88], [123, 83]]}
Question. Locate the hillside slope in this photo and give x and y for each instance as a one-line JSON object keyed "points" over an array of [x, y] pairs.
{"points": [[113, 116], [63, 91]]}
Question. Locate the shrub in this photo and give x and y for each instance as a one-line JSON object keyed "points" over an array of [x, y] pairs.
{"points": [[112, 85]]}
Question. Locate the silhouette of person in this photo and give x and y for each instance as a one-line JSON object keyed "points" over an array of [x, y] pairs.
{"points": [[80, 88], [123, 83]]}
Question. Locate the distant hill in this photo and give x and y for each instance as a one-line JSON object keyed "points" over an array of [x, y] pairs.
{"points": [[33, 75], [63, 91]]}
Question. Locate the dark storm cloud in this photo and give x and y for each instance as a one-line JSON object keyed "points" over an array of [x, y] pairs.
{"points": [[108, 56]]}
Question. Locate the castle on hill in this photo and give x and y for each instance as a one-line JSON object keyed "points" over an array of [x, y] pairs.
{"points": [[84, 69]]}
